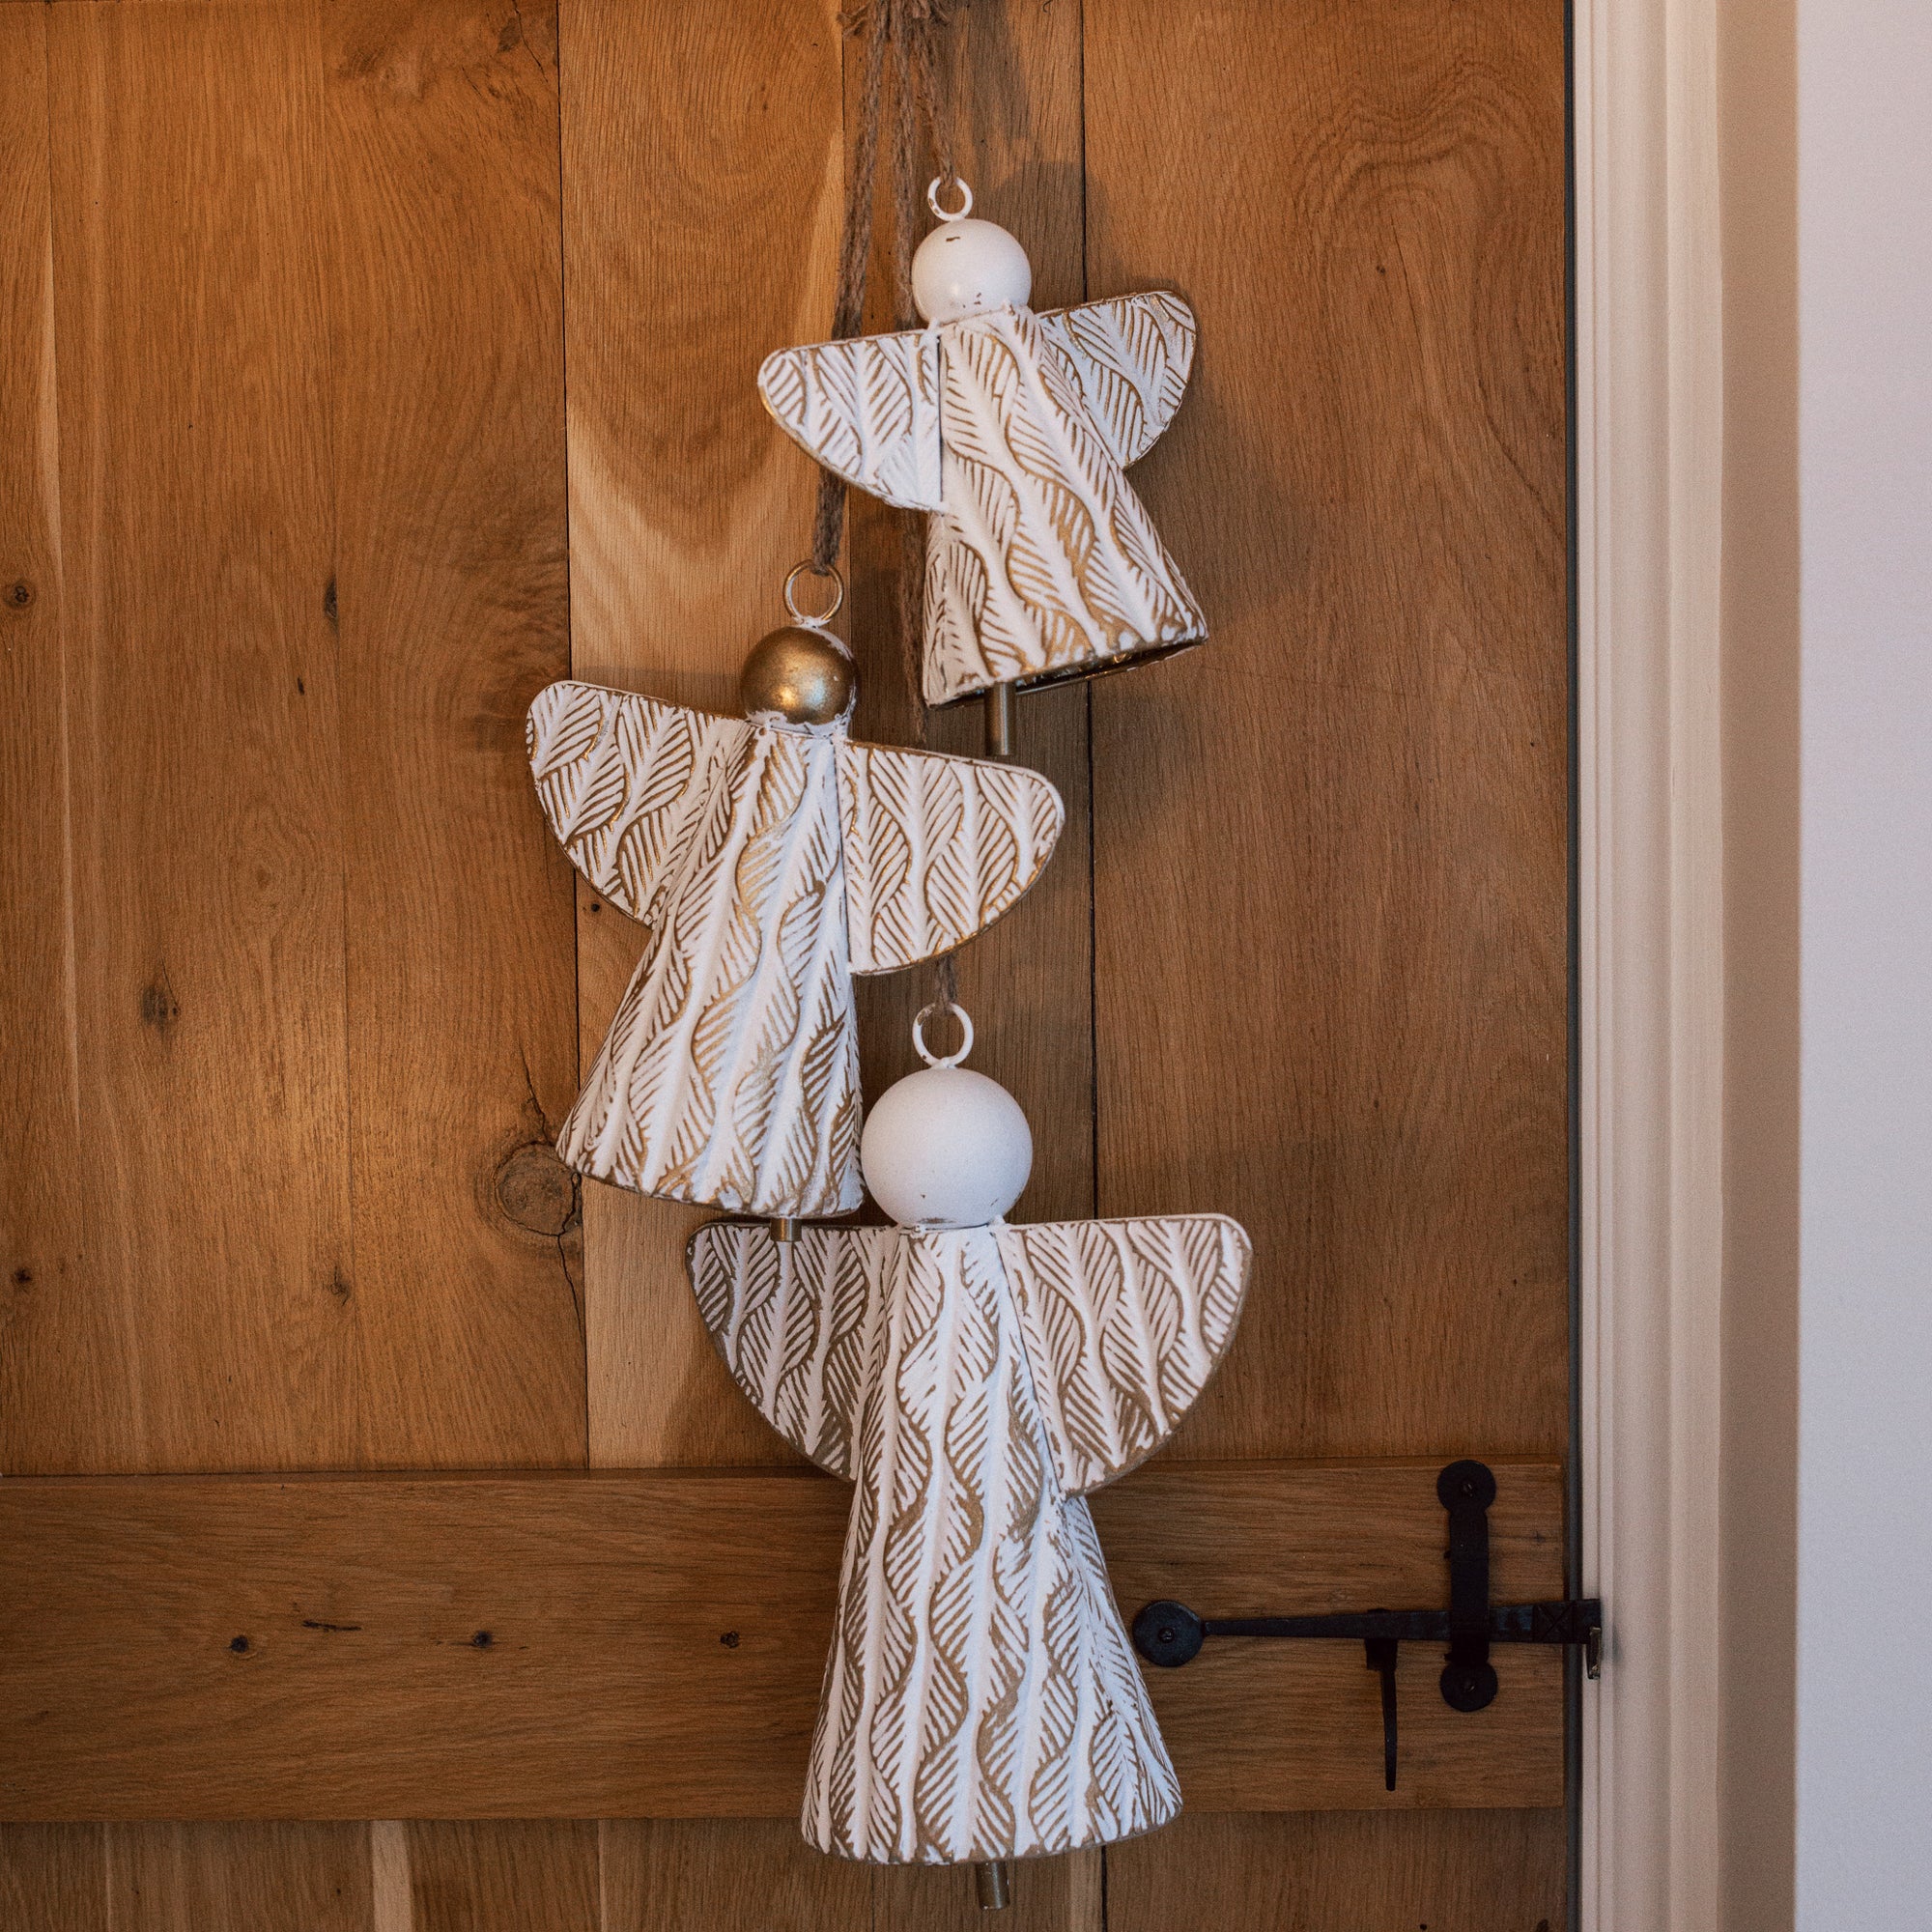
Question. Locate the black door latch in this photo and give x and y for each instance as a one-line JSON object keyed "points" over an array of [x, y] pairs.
{"points": [[1171, 1635]]}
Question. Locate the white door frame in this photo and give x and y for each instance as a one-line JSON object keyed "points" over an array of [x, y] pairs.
{"points": [[1650, 966]]}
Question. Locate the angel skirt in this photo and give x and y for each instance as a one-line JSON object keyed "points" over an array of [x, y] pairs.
{"points": [[980, 1700], [1041, 561], [730, 1074]]}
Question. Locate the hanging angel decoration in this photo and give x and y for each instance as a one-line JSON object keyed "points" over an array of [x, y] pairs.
{"points": [[1015, 429], [774, 858], [974, 1380]]}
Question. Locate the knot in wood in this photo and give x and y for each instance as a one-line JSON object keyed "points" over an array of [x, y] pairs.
{"points": [[536, 1191]]}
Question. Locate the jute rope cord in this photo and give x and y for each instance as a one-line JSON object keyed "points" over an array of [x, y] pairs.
{"points": [[899, 34]]}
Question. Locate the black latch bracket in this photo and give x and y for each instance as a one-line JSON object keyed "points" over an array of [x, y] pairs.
{"points": [[1171, 1635]]}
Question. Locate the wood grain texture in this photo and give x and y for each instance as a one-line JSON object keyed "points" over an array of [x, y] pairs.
{"points": [[450, 593], [275, 771], [666, 1875], [201, 899], [530, 1876], [1060, 1894], [1329, 882], [1351, 802], [1440, 1871], [575, 1646], [222, 1878], [694, 147], [492, 1646], [53, 1877], [47, 1279]]}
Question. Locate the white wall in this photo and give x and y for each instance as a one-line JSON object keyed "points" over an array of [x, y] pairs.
{"points": [[1865, 1539]]}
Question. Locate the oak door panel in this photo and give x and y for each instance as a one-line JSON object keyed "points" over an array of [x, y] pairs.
{"points": [[1329, 887], [186, 1316], [367, 367], [1341, 1871], [305, 561], [448, 599], [1331, 936], [702, 174]]}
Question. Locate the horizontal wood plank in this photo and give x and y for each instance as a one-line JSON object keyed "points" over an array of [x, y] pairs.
{"points": [[574, 1645]]}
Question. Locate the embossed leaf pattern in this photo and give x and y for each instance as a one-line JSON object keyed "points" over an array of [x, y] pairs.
{"points": [[795, 1323], [1129, 358], [621, 780], [868, 409], [936, 848], [731, 1073], [1124, 1322], [1043, 559]]}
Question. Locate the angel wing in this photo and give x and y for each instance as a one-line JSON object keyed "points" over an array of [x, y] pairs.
{"points": [[1129, 358], [621, 778], [1124, 1322], [868, 409], [797, 1323], [936, 848]]}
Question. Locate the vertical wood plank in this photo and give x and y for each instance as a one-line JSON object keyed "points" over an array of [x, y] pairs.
{"points": [[238, 1878], [1013, 93], [53, 1878], [691, 1875], [202, 780], [450, 592], [1350, 803], [1343, 1871], [533, 1877], [1330, 886], [391, 1909], [42, 1254], [702, 176]]}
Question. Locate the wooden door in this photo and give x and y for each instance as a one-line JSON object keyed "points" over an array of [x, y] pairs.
{"points": [[365, 364]]}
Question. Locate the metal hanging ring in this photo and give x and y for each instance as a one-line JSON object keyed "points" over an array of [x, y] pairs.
{"points": [[810, 569], [959, 1013], [932, 188]]}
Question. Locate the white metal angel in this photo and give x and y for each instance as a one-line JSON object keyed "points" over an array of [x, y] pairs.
{"points": [[974, 1380], [774, 858], [1015, 429]]}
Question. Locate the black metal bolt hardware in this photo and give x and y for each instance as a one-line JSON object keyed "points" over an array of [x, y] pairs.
{"points": [[1170, 1635]]}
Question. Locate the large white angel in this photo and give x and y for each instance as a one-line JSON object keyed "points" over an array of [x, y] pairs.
{"points": [[974, 1380], [774, 858], [1015, 431]]}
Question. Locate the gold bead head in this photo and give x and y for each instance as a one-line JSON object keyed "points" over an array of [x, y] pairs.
{"points": [[802, 674]]}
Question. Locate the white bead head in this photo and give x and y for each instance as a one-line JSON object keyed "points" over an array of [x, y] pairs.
{"points": [[964, 267], [946, 1147]]}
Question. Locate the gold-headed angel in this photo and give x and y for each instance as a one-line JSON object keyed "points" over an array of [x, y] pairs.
{"points": [[773, 857]]}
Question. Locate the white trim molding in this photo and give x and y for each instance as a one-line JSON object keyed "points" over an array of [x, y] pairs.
{"points": [[1650, 966]]}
